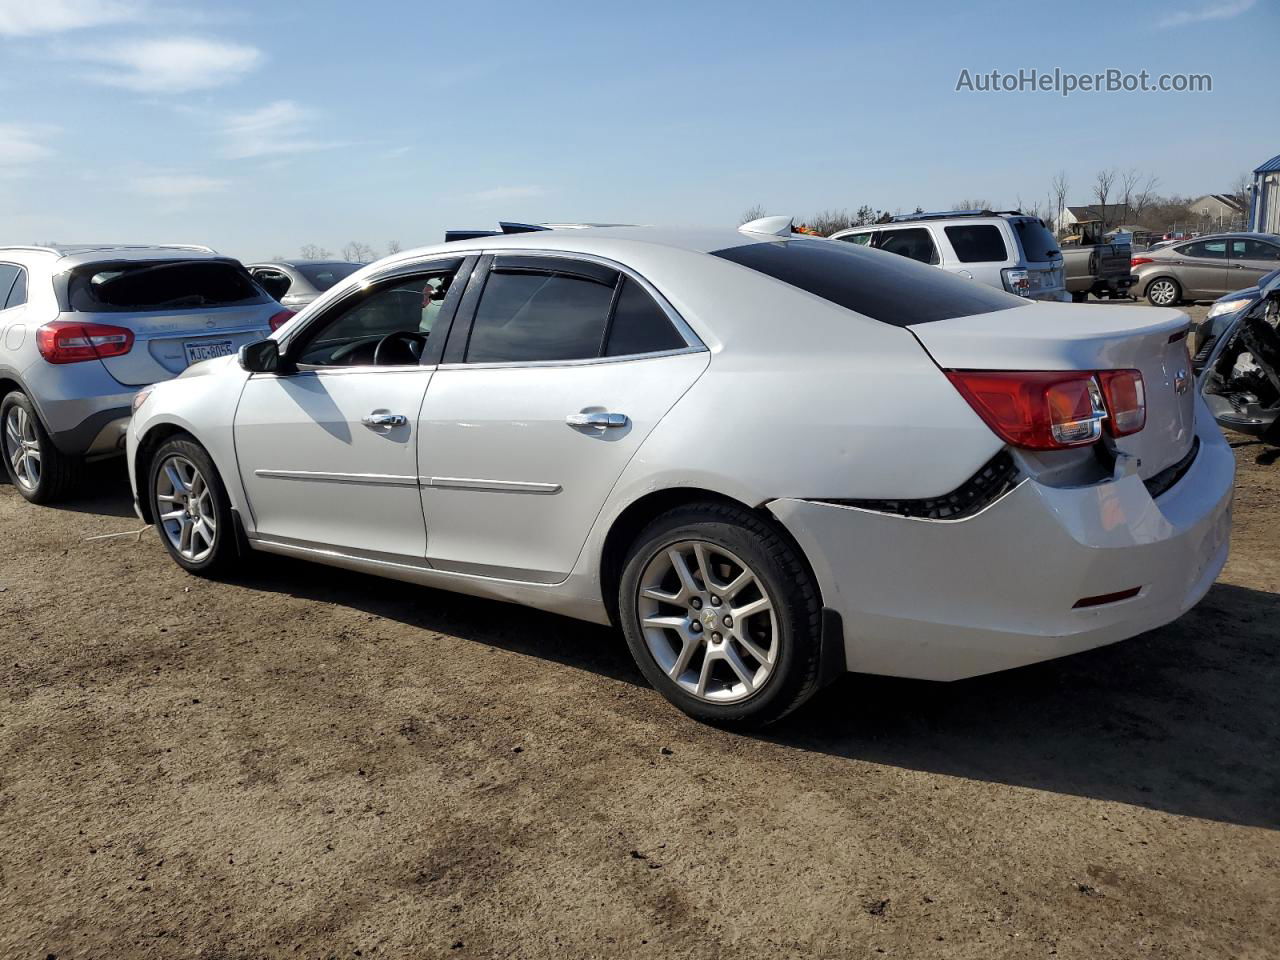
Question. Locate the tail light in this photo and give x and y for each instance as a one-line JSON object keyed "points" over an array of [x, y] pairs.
{"points": [[1017, 281], [1038, 410], [280, 319], [66, 341], [1139, 261], [1126, 397]]}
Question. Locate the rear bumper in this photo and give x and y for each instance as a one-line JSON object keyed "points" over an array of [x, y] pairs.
{"points": [[944, 600], [101, 434]]}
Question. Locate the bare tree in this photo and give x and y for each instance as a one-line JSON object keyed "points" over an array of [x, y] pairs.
{"points": [[829, 221], [1144, 195], [753, 212], [972, 205], [357, 252], [312, 251], [1059, 187], [393, 247], [1241, 190], [1103, 181]]}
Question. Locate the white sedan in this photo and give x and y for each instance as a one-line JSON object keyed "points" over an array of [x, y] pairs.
{"points": [[768, 458]]}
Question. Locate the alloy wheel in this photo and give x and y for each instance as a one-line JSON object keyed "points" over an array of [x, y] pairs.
{"points": [[186, 508], [22, 446], [1163, 292], [708, 621]]}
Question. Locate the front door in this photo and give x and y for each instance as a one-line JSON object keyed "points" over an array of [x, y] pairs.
{"points": [[567, 367], [328, 452], [1251, 259]]}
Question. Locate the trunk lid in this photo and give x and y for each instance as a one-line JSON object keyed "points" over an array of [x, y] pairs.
{"points": [[1054, 336], [161, 340]]}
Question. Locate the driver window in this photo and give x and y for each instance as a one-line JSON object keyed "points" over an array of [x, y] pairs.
{"points": [[389, 326]]}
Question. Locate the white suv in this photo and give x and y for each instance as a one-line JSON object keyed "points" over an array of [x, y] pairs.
{"points": [[1009, 250], [82, 328]]}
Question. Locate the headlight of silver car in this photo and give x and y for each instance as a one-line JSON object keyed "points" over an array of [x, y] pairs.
{"points": [[1228, 306]]}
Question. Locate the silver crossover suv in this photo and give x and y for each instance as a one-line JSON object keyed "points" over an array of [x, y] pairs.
{"points": [[82, 328], [295, 283]]}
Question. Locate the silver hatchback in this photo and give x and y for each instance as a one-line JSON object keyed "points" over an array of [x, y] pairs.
{"points": [[83, 328]]}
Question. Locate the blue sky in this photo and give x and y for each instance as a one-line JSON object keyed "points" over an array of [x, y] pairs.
{"points": [[258, 127]]}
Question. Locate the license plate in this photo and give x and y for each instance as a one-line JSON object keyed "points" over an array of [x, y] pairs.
{"points": [[207, 350]]}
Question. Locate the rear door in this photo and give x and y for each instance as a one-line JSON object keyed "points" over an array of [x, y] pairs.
{"points": [[560, 368], [1200, 268], [1249, 259]]}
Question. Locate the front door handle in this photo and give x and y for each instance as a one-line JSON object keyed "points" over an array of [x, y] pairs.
{"points": [[597, 420], [376, 420]]}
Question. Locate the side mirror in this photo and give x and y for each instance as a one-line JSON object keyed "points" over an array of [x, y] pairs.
{"points": [[261, 356]]}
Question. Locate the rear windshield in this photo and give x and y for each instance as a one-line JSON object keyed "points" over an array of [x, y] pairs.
{"points": [[880, 285], [1038, 244], [322, 276], [165, 285]]}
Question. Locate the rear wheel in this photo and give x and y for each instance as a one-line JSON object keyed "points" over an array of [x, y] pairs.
{"points": [[1079, 296], [722, 615], [41, 472], [1164, 292], [191, 509]]}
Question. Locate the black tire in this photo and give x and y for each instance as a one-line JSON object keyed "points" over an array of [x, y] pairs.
{"points": [[1177, 292], [1079, 296], [781, 573], [223, 552], [58, 474]]}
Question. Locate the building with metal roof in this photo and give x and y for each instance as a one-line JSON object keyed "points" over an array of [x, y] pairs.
{"points": [[1264, 207]]}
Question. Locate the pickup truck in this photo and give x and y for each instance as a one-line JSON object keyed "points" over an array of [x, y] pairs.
{"points": [[1094, 265]]}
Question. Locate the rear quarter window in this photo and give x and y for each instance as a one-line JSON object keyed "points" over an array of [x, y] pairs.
{"points": [[152, 286], [977, 243], [876, 284]]}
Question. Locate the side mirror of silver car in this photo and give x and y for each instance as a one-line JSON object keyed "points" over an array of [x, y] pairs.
{"points": [[261, 356]]}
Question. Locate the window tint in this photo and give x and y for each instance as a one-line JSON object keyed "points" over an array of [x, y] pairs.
{"points": [[18, 295], [639, 325], [1254, 250], [273, 281], [1037, 243], [8, 275], [322, 276], [892, 290], [977, 243], [1212, 249], [525, 316], [859, 238], [169, 285], [408, 305], [915, 243]]}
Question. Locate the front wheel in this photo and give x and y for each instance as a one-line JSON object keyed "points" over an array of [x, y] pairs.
{"points": [[722, 615], [191, 509], [41, 472]]}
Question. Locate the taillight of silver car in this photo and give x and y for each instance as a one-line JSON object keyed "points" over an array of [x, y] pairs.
{"points": [[67, 341], [278, 320], [1054, 410]]}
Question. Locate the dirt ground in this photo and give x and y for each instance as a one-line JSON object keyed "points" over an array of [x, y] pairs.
{"points": [[311, 763]]}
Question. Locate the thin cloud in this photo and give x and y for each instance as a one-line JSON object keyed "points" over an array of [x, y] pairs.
{"points": [[21, 145], [1213, 11], [495, 194], [170, 64], [25, 18], [178, 186], [279, 128]]}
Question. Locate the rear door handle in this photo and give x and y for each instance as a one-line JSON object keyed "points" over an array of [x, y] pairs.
{"points": [[597, 420], [376, 420]]}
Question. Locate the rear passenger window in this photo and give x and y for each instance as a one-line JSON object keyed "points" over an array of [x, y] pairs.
{"points": [[914, 244], [8, 279], [529, 316], [977, 243], [18, 295], [640, 325]]}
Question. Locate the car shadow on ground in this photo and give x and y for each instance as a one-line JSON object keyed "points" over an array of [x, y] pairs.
{"points": [[103, 490], [1184, 719]]}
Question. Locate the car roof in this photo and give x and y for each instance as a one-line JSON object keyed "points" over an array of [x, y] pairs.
{"points": [[601, 240], [69, 255]]}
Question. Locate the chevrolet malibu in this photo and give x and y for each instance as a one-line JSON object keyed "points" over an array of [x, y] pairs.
{"points": [[767, 458]]}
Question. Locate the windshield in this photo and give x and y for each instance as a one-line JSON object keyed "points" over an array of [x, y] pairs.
{"points": [[143, 286], [322, 276], [883, 286], [1038, 244]]}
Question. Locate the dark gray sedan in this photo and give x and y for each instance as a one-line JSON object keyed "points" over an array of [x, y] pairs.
{"points": [[1204, 268], [295, 283]]}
